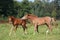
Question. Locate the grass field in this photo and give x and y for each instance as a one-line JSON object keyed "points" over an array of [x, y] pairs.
{"points": [[5, 28]]}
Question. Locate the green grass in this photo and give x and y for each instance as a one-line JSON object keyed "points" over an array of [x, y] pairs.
{"points": [[5, 28]]}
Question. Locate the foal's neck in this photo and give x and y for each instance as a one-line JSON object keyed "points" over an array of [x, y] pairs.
{"points": [[31, 17], [13, 19]]}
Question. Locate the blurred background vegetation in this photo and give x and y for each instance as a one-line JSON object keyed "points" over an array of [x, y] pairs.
{"points": [[38, 7]]}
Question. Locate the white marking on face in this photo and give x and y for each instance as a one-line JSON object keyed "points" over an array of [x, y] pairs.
{"points": [[10, 20], [23, 17]]}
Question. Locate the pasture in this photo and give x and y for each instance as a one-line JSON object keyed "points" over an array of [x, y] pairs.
{"points": [[5, 29]]}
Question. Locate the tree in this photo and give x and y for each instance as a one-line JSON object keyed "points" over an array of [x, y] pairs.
{"points": [[6, 7], [24, 8]]}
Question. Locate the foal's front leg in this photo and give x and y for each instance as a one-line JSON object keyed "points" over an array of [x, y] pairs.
{"points": [[49, 27], [24, 29], [11, 30], [15, 28], [36, 29]]}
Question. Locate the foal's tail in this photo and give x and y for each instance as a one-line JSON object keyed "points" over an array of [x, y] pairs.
{"points": [[54, 22]]}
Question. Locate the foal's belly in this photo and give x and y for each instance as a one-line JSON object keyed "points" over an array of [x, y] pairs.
{"points": [[41, 22]]}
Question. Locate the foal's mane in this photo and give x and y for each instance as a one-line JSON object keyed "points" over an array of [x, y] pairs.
{"points": [[32, 15], [12, 17]]}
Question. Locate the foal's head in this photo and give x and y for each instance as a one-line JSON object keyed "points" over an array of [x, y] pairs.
{"points": [[11, 19], [27, 16]]}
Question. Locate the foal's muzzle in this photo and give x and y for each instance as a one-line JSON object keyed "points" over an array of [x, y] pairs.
{"points": [[10, 22]]}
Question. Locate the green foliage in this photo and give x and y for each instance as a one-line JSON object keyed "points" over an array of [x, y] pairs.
{"points": [[53, 13], [39, 8], [6, 7]]}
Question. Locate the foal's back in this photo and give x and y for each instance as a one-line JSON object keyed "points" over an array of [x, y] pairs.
{"points": [[42, 20], [19, 21]]}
